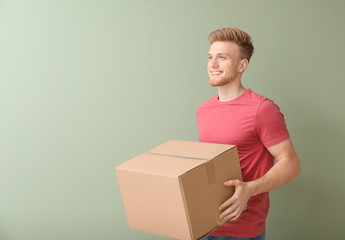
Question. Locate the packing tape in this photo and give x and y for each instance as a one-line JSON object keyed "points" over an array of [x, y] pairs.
{"points": [[210, 172]]}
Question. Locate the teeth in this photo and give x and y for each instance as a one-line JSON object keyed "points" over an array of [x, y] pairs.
{"points": [[215, 73]]}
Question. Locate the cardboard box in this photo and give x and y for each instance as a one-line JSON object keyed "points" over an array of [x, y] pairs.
{"points": [[175, 189]]}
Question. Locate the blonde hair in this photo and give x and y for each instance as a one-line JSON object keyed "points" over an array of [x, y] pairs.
{"points": [[235, 35]]}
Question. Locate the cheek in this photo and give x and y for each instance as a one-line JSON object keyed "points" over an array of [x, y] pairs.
{"points": [[208, 69]]}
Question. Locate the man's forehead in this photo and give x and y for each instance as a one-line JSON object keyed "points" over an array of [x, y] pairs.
{"points": [[223, 47]]}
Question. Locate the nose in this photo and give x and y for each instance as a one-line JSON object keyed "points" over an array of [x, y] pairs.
{"points": [[214, 62]]}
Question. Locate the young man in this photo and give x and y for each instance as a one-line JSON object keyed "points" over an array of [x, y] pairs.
{"points": [[238, 116]]}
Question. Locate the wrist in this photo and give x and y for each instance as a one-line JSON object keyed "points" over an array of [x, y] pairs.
{"points": [[253, 187]]}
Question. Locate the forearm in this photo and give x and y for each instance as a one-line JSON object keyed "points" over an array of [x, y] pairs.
{"points": [[285, 170]]}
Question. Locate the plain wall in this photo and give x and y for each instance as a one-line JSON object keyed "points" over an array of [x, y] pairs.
{"points": [[87, 85]]}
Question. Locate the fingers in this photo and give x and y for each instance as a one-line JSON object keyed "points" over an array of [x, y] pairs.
{"points": [[232, 213], [233, 208], [235, 205], [233, 198], [226, 204]]}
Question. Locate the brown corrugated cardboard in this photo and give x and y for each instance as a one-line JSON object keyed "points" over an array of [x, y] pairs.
{"points": [[175, 189]]}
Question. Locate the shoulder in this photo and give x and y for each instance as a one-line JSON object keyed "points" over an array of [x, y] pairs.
{"points": [[211, 101], [268, 107], [268, 114], [264, 103], [255, 97]]}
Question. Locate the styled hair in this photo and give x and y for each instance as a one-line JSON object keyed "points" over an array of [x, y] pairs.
{"points": [[235, 35]]}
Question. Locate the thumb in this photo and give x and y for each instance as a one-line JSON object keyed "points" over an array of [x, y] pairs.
{"points": [[229, 183], [234, 182]]}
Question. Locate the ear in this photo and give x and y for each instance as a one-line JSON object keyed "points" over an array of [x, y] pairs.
{"points": [[243, 65]]}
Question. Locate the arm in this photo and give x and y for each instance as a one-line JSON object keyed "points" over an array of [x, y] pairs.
{"points": [[285, 170]]}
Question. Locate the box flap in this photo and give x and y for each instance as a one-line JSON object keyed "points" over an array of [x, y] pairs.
{"points": [[203, 198], [154, 204], [160, 164], [188, 149]]}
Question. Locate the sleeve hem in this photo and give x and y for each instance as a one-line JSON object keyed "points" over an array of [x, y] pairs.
{"points": [[276, 141]]}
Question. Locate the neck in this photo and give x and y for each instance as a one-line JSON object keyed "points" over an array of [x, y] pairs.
{"points": [[230, 91]]}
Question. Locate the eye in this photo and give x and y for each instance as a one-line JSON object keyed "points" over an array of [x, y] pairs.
{"points": [[209, 57], [222, 57]]}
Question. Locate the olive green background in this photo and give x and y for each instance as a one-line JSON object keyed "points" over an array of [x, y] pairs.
{"points": [[87, 85]]}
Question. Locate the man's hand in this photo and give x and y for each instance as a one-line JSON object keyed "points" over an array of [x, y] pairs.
{"points": [[238, 202], [285, 170]]}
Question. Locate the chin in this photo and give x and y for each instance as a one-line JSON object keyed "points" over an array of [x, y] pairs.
{"points": [[217, 83]]}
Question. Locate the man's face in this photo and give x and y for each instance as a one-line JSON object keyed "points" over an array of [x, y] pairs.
{"points": [[223, 63]]}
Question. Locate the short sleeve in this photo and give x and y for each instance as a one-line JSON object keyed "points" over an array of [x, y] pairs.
{"points": [[270, 124]]}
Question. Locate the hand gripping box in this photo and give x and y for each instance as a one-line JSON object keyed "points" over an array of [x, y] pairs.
{"points": [[175, 189]]}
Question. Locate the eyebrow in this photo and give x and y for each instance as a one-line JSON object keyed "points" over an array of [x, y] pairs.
{"points": [[219, 54]]}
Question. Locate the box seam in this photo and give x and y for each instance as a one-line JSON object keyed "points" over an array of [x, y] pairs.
{"points": [[186, 208], [171, 155]]}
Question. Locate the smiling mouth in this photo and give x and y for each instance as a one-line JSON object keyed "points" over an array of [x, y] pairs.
{"points": [[215, 73]]}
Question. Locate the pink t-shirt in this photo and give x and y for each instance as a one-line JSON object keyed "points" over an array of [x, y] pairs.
{"points": [[253, 123]]}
